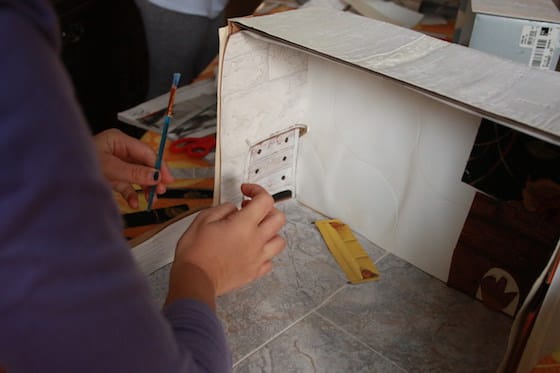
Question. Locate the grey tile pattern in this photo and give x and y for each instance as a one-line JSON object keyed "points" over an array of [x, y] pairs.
{"points": [[304, 275], [315, 345], [420, 323], [304, 317]]}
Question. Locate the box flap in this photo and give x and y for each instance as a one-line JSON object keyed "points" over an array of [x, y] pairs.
{"points": [[535, 10], [502, 90]]}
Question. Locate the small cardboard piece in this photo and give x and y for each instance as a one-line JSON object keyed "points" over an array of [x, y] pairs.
{"points": [[347, 251]]}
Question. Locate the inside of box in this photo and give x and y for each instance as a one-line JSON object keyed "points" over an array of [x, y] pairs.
{"points": [[381, 157]]}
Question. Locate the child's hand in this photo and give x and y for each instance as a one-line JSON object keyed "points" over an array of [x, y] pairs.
{"points": [[126, 161], [232, 247]]}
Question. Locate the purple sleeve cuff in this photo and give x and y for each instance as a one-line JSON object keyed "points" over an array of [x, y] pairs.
{"points": [[198, 330]]}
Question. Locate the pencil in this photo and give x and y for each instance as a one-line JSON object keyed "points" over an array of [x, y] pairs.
{"points": [[169, 114]]}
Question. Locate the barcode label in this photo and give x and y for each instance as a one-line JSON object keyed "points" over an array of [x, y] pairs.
{"points": [[544, 41], [539, 53]]}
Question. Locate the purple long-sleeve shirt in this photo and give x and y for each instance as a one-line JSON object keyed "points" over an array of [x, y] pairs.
{"points": [[71, 298]]}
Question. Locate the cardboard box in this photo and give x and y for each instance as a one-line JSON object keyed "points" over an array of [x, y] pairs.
{"points": [[369, 123], [525, 31], [391, 116]]}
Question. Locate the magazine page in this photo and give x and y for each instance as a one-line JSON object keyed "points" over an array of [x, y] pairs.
{"points": [[194, 113]]}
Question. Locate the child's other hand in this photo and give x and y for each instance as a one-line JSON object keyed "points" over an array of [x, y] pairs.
{"points": [[126, 161]]}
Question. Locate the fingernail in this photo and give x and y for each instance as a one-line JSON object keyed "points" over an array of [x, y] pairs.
{"points": [[156, 176]]}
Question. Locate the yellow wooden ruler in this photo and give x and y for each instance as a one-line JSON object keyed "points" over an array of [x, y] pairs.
{"points": [[347, 251]]}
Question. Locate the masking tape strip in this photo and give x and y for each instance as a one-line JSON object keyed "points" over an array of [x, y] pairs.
{"points": [[347, 251]]}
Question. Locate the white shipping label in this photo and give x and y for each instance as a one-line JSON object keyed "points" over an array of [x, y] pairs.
{"points": [[543, 40]]}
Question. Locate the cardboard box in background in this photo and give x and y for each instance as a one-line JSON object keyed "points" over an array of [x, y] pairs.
{"points": [[525, 31]]}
